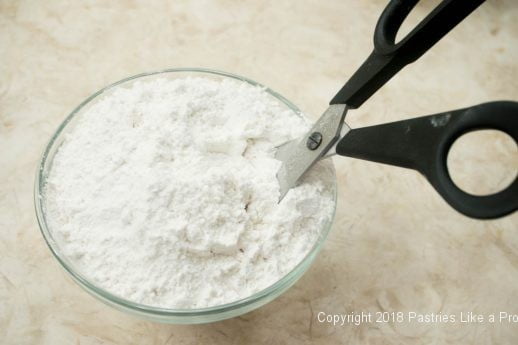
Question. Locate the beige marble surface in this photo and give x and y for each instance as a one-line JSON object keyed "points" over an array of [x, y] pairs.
{"points": [[395, 245]]}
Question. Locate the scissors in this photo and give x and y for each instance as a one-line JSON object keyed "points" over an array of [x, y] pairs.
{"points": [[420, 143]]}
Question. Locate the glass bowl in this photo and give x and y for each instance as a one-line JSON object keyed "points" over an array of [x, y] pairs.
{"points": [[180, 316]]}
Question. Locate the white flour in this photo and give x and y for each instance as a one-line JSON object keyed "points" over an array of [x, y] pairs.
{"points": [[165, 193]]}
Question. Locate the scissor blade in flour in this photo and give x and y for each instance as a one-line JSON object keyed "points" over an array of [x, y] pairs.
{"points": [[295, 155]]}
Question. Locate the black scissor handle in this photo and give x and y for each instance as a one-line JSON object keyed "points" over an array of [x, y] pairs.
{"points": [[423, 144], [389, 57]]}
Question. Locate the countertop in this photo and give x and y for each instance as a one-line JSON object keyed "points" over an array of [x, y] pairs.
{"points": [[395, 245]]}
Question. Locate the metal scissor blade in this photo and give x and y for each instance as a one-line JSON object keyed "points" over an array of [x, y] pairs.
{"points": [[295, 155]]}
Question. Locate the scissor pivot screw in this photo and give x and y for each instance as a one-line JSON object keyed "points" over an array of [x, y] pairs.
{"points": [[314, 141]]}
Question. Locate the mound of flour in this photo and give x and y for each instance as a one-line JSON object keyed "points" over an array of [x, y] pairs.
{"points": [[164, 193]]}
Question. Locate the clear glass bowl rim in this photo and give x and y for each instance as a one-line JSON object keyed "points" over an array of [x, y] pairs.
{"points": [[142, 308]]}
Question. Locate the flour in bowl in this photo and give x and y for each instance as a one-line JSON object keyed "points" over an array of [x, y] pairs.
{"points": [[164, 193]]}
